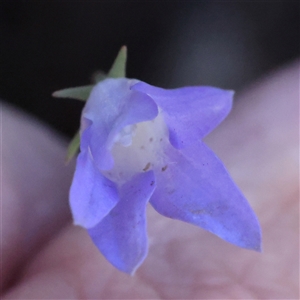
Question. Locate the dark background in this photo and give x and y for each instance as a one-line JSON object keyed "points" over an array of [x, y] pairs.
{"points": [[50, 45]]}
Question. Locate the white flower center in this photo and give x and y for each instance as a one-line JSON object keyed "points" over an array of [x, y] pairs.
{"points": [[138, 148], [124, 137]]}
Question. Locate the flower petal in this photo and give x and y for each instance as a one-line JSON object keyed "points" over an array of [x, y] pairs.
{"points": [[195, 187], [121, 236], [111, 107], [190, 112], [92, 196]]}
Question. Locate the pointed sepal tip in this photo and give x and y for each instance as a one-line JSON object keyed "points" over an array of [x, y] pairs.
{"points": [[118, 69]]}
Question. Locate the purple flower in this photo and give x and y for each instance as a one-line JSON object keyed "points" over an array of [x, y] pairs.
{"points": [[141, 144]]}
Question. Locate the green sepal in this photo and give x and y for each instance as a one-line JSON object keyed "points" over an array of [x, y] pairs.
{"points": [[73, 147], [80, 93], [118, 68]]}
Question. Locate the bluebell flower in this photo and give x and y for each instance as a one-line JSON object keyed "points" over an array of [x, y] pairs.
{"points": [[140, 144]]}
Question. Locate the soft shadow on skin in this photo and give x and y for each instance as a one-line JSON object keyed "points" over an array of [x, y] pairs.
{"points": [[259, 145], [34, 189]]}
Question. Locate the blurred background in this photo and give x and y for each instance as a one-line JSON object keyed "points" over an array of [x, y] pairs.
{"points": [[50, 45]]}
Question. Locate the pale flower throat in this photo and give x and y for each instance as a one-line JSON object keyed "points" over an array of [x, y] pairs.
{"points": [[138, 148]]}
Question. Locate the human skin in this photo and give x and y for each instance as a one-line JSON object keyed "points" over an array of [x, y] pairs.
{"points": [[45, 257]]}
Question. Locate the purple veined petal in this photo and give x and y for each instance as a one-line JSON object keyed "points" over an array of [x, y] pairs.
{"points": [[92, 196], [85, 133], [121, 236], [195, 187], [111, 107], [190, 112]]}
